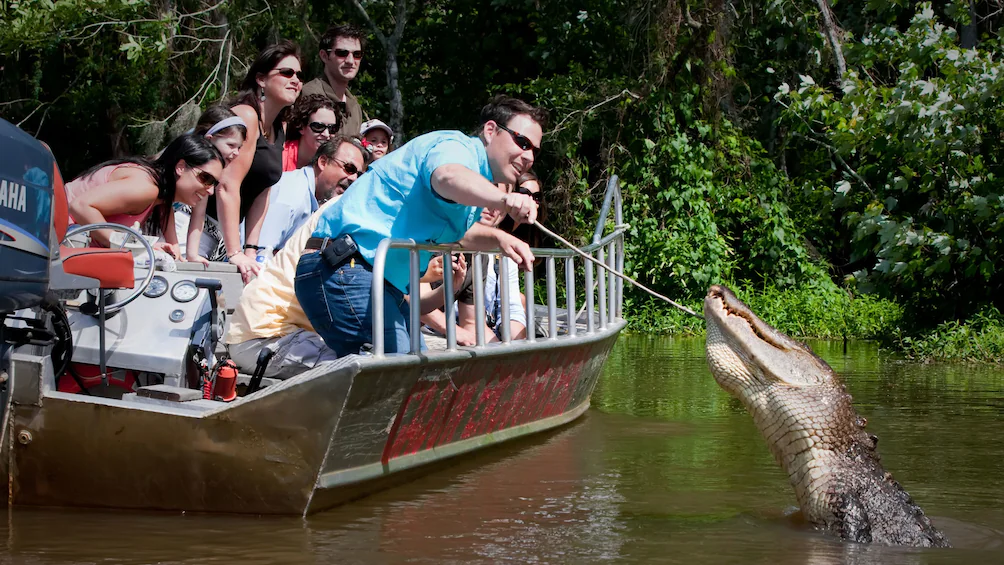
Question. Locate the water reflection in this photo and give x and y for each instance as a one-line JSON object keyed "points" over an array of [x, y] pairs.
{"points": [[665, 469]]}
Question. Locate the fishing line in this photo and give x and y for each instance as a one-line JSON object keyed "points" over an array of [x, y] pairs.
{"points": [[589, 257]]}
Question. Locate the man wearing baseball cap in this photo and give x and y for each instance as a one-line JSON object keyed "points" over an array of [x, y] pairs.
{"points": [[377, 137]]}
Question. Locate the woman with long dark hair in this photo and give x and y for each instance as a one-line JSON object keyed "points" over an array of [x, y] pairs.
{"points": [[272, 84], [133, 190]]}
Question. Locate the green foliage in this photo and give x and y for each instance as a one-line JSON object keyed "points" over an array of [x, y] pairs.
{"points": [[809, 311], [980, 339], [742, 156], [914, 135]]}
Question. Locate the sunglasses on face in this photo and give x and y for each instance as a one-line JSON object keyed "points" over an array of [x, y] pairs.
{"points": [[522, 141], [319, 127], [528, 192], [343, 53], [289, 73], [349, 168], [207, 180]]}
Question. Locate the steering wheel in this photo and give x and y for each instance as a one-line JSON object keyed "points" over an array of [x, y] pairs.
{"points": [[139, 289]]}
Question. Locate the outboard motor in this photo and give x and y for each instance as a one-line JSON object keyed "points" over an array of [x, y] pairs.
{"points": [[27, 173]]}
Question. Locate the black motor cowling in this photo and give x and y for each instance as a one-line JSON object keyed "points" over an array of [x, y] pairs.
{"points": [[27, 174]]}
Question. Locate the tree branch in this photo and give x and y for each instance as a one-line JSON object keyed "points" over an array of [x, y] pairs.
{"points": [[366, 17], [621, 94], [831, 35], [833, 151]]}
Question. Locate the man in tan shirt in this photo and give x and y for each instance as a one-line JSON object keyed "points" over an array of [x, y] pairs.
{"points": [[268, 315], [341, 51]]}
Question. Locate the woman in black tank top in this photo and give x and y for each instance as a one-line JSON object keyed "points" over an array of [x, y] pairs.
{"points": [[271, 86]]}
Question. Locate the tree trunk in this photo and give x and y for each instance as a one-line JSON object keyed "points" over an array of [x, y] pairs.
{"points": [[391, 44], [396, 103], [832, 36], [969, 35]]}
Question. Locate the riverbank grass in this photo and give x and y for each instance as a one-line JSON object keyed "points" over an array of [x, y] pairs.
{"points": [[979, 339], [810, 311], [832, 313]]}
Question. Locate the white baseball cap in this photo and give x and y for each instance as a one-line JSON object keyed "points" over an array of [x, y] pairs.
{"points": [[375, 124]]}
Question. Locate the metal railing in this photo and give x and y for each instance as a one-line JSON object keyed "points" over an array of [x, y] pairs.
{"points": [[607, 249]]}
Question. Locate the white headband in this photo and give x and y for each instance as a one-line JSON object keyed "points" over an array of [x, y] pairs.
{"points": [[225, 123]]}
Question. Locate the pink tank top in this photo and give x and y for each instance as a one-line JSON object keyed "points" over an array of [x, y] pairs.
{"points": [[81, 185]]}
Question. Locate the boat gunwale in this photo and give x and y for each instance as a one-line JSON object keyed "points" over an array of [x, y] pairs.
{"points": [[197, 410]]}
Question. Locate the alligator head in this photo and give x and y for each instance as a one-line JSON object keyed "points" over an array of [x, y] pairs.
{"points": [[806, 416]]}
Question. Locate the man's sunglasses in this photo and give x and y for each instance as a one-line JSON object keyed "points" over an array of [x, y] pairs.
{"points": [[207, 180], [528, 192], [288, 73], [343, 53], [522, 141], [349, 168], [319, 127]]}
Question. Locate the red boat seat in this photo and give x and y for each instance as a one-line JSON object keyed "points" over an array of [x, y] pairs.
{"points": [[113, 268]]}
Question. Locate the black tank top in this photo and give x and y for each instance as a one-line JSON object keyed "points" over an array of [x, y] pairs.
{"points": [[266, 168]]}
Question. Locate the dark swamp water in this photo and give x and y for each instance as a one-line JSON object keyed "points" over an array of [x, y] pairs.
{"points": [[664, 468]]}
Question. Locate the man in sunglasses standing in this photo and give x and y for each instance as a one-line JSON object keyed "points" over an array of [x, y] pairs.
{"points": [[430, 190], [341, 51]]}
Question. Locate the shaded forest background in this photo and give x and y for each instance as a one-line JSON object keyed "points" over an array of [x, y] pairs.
{"points": [[852, 148]]}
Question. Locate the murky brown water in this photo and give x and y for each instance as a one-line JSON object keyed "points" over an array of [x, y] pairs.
{"points": [[664, 469]]}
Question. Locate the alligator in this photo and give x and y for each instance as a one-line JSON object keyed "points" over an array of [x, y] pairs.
{"points": [[805, 414]]}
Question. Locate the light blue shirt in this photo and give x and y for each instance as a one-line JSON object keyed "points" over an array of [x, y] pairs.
{"points": [[394, 198], [290, 202]]}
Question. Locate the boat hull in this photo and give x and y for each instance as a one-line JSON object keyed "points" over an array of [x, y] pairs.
{"points": [[330, 435]]}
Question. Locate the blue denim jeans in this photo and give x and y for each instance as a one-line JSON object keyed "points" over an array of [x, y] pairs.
{"points": [[337, 303]]}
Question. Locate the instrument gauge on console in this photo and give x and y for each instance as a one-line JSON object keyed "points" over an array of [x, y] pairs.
{"points": [[157, 287], [184, 291]]}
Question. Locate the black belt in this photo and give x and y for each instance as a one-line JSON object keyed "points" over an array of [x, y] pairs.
{"points": [[316, 243]]}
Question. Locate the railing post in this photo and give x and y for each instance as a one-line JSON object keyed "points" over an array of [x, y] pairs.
{"points": [[612, 285], [448, 307], [612, 191], [552, 323], [531, 311], [379, 264], [414, 302], [502, 278], [602, 280], [478, 278], [620, 281], [590, 325], [570, 294]]}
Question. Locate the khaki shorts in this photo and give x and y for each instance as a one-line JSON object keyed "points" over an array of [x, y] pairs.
{"points": [[294, 354]]}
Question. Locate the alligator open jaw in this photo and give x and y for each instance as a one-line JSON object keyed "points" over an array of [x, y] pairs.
{"points": [[806, 416]]}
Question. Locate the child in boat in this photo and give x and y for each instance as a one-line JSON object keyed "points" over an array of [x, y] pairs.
{"points": [[133, 190], [225, 129], [377, 137]]}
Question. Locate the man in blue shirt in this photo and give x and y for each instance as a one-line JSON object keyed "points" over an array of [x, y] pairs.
{"points": [[430, 190], [337, 164]]}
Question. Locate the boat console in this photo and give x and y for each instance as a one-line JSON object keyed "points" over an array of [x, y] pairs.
{"points": [[162, 336]]}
